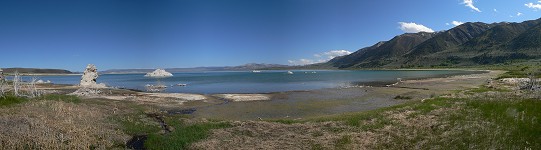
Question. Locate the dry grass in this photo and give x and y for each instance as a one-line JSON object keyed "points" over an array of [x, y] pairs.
{"points": [[57, 125], [272, 135]]}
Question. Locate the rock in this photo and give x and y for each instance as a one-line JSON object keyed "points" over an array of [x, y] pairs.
{"points": [[40, 82], [514, 81], [155, 88], [244, 97], [159, 73], [89, 78], [86, 92]]}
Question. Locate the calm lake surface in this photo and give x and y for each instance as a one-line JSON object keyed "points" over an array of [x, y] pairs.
{"points": [[250, 82]]}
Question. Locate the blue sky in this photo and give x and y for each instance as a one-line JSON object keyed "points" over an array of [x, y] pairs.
{"points": [[112, 34]]}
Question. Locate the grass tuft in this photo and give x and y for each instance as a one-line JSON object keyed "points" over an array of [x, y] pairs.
{"points": [[7, 100], [137, 124], [482, 89], [342, 142]]}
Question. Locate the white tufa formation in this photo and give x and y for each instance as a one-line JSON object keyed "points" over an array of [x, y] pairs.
{"points": [[89, 77], [159, 73]]}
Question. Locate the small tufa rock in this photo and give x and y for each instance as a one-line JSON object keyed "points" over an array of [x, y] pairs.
{"points": [[89, 77]]}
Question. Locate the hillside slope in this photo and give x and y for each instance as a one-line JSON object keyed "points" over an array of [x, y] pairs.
{"points": [[464, 45]]}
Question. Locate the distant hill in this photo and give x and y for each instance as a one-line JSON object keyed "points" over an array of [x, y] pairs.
{"points": [[36, 71], [382, 52], [250, 66], [464, 45]]}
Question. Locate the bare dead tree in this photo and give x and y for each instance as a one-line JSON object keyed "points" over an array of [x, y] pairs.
{"points": [[31, 88], [3, 87], [16, 83]]}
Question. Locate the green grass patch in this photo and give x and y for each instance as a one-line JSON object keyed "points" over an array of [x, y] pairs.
{"points": [[482, 89], [521, 71], [511, 123], [432, 104], [356, 118], [519, 119], [60, 97], [7, 100], [137, 124], [182, 135]]}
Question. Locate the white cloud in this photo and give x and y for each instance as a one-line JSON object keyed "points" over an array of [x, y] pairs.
{"points": [[301, 62], [413, 27], [469, 3], [519, 14], [457, 23], [320, 57], [533, 6], [335, 53]]}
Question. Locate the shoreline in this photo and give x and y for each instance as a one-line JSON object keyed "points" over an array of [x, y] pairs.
{"points": [[385, 83], [357, 84], [293, 104], [303, 104]]}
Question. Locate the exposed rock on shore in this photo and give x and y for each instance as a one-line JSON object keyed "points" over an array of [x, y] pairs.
{"points": [[515, 80], [42, 82], [244, 97], [159, 73], [86, 92], [88, 80]]}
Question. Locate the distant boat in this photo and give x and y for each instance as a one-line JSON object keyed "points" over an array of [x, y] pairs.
{"points": [[181, 84], [289, 72], [256, 71]]}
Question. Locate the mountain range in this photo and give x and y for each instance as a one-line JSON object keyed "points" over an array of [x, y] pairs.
{"points": [[469, 44], [250, 66], [35, 71]]}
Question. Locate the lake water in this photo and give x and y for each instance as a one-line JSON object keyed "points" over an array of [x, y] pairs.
{"points": [[249, 82]]}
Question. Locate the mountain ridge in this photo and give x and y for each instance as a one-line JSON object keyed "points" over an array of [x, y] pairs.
{"points": [[471, 43], [36, 71], [245, 67]]}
